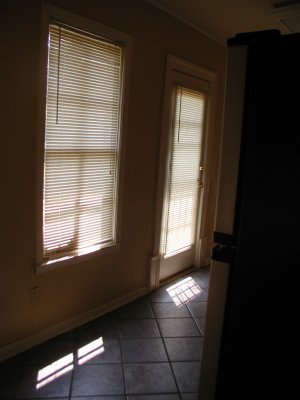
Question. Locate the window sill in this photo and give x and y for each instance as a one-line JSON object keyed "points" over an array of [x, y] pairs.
{"points": [[64, 262]]}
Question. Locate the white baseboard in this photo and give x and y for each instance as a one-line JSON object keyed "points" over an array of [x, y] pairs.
{"points": [[154, 272], [206, 262], [64, 326]]}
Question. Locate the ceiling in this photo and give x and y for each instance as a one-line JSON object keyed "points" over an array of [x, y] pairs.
{"points": [[221, 19]]}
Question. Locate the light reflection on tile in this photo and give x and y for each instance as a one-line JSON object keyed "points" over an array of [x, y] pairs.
{"points": [[184, 291]]}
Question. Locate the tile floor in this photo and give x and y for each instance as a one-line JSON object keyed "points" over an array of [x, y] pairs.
{"points": [[149, 349]]}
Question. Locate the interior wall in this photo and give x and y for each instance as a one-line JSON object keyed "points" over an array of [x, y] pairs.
{"points": [[74, 290]]}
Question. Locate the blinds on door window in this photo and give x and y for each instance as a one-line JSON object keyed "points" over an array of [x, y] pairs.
{"points": [[81, 142], [183, 189]]}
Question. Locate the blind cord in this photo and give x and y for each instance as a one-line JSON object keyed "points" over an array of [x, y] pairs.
{"points": [[178, 132], [58, 76]]}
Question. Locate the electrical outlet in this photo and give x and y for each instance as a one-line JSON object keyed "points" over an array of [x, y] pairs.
{"points": [[34, 295]]}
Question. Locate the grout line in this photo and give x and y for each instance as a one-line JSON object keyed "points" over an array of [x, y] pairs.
{"points": [[75, 360], [169, 361], [18, 380], [121, 355]]}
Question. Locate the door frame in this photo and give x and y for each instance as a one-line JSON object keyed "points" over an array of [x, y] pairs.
{"points": [[175, 64]]}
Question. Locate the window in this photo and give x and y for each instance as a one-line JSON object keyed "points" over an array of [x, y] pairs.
{"points": [[81, 142]]}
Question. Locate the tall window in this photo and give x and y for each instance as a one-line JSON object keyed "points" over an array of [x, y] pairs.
{"points": [[81, 142]]}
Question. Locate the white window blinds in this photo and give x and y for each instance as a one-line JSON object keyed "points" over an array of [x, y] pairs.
{"points": [[81, 143], [183, 193]]}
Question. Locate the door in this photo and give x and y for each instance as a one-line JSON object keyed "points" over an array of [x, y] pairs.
{"points": [[255, 360], [225, 218], [184, 169]]}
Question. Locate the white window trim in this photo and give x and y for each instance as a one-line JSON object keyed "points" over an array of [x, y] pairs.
{"points": [[50, 12], [174, 64]]}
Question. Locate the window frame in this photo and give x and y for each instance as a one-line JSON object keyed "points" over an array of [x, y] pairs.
{"points": [[50, 13]]}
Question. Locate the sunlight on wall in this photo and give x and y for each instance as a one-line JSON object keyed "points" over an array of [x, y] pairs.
{"points": [[184, 291]]}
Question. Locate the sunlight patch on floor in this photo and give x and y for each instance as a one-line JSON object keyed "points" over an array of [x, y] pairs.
{"points": [[184, 291], [65, 364], [55, 370], [90, 351]]}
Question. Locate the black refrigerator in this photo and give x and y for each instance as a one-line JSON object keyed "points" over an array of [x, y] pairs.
{"points": [[251, 345]]}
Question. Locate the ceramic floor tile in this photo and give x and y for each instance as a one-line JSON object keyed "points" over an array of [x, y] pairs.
{"points": [[198, 309], [161, 295], [9, 375], [184, 349], [101, 379], [201, 296], [155, 397], [143, 350], [178, 327], [140, 308], [170, 310], [187, 376], [203, 271], [184, 290], [201, 324], [97, 398], [187, 290], [201, 281], [189, 396], [44, 382], [99, 351], [138, 328], [105, 327], [154, 378], [50, 352], [48, 398]]}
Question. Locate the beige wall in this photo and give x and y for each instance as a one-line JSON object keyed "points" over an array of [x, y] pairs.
{"points": [[75, 290]]}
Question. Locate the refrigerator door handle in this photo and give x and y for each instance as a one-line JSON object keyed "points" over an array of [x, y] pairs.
{"points": [[225, 248], [223, 253]]}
